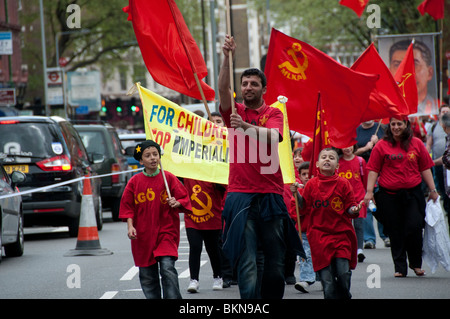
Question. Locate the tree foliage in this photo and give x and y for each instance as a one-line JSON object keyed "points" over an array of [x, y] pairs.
{"points": [[321, 22]]}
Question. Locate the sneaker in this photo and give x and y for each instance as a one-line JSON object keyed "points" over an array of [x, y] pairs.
{"points": [[369, 245], [218, 284], [302, 286], [387, 242], [361, 257], [193, 286]]}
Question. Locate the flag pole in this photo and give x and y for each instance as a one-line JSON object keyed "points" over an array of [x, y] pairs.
{"points": [[311, 166], [188, 54], [283, 100], [130, 92], [230, 58]]}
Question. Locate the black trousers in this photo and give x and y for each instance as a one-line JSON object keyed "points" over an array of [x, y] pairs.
{"points": [[402, 213], [211, 238]]}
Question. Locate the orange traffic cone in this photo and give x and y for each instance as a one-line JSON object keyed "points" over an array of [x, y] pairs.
{"points": [[88, 243]]}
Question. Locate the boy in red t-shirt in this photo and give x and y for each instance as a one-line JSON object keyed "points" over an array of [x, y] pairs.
{"points": [[353, 168], [154, 223], [329, 204]]}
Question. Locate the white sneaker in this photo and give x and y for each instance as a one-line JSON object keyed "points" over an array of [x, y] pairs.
{"points": [[193, 286], [218, 284], [302, 286]]}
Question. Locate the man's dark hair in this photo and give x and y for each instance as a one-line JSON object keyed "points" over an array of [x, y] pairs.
{"points": [[257, 72], [419, 45]]}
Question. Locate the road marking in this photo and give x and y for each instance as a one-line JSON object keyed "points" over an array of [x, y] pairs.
{"points": [[129, 275], [187, 274], [109, 295]]}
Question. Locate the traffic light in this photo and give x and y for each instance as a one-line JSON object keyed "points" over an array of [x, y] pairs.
{"points": [[119, 109]]}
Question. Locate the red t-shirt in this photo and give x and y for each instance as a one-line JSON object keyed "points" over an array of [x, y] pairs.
{"points": [[157, 224], [326, 200], [206, 201], [356, 173], [254, 165], [397, 168]]}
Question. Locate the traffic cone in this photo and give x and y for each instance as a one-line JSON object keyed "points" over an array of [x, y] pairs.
{"points": [[88, 243]]}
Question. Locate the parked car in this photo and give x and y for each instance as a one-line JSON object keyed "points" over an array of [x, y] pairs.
{"points": [[49, 151], [101, 138], [129, 142], [11, 214]]}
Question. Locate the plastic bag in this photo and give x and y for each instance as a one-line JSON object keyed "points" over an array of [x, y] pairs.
{"points": [[436, 241]]}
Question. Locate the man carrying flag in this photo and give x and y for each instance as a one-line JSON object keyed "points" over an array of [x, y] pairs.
{"points": [[254, 208]]}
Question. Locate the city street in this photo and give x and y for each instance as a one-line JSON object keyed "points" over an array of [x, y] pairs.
{"points": [[43, 272]]}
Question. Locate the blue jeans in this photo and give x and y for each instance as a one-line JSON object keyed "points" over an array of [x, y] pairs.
{"points": [[306, 267], [149, 278], [369, 231], [336, 279], [261, 265]]}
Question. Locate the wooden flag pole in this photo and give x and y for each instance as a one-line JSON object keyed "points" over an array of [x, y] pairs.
{"points": [[138, 85], [230, 58], [188, 54]]}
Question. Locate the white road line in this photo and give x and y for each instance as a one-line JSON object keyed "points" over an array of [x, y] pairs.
{"points": [[186, 273], [109, 295], [129, 275]]}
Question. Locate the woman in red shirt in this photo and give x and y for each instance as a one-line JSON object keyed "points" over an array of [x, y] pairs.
{"points": [[400, 161]]}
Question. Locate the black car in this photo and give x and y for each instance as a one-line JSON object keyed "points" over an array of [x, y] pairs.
{"points": [[11, 214], [101, 138], [49, 151]]}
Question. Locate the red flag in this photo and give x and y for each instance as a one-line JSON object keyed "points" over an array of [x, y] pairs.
{"points": [[405, 76], [320, 140], [434, 8], [386, 100], [356, 5], [299, 71], [169, 51]]}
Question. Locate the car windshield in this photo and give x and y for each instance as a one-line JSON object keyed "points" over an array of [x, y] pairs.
{"points": [[23, 142], [94, 141]]}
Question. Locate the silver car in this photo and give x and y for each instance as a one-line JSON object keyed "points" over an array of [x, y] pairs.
{"points": [[11, 223]]}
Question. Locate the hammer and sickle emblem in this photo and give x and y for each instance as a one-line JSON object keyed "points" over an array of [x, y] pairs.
{"points": [[206, 208], [402, 84], [298, 68], [336, 204]]}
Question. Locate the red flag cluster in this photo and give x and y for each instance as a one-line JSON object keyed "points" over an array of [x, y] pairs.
{"points": [[300, 72], [167, 47], [348, 96]]}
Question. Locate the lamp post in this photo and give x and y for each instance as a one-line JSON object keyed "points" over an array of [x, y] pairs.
{"points": [[57, 35]]}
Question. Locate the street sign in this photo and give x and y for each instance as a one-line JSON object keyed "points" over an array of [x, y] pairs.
{"points": [[54, 84], [63, 61], [82, 110], [6, 43], [7, 97], [83, 88]]}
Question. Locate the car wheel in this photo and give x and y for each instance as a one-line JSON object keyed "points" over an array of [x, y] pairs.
{"points": [[16, 249]]}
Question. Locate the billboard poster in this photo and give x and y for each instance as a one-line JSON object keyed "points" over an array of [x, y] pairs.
{"points": [[393, 48]]}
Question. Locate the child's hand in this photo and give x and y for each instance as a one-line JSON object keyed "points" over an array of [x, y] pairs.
{"points": [[132, 234], [173, 202], [355, 209], [296, 185]]}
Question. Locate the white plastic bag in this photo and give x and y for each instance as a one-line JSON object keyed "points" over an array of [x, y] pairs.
{"points": [[436, 241]]}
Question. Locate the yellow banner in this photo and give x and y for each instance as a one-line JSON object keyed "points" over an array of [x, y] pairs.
{"points": [[195, 147]]}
